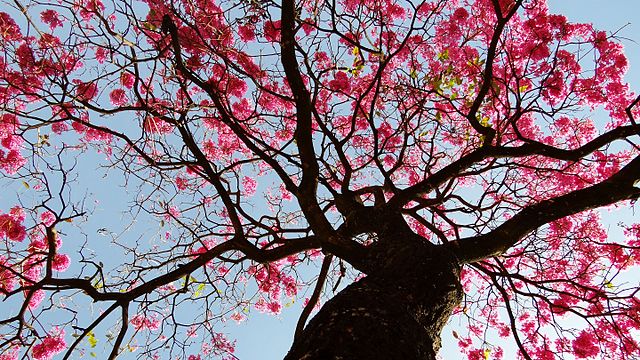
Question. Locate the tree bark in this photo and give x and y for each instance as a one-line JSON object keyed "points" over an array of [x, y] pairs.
{"points": [[396, 312]]}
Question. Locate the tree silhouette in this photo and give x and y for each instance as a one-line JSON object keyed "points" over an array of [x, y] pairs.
{"points": [[439, 158]]}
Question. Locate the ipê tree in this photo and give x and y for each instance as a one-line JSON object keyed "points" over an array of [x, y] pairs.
{"points": [[445, 157]]}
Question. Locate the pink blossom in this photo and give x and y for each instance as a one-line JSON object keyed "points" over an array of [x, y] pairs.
{"points": [[7, 279], [86, 91], [272, 30], [79, 127], [12, 162], [11, 228], [10, 354], [51, 18], [17, 213], [26, 59], [172, 212], [460, 14], [181, 183], [101, 54], [316, 307], [61, 262], [192, 332], [155, 125], [36, 299], [340, 82], [274, 307], [585, 345], [59, 127], [141, 322], [11, 142], [127, 79], [9, 30], [237, 317], [246, 33], [48, 218], [50, 346], [249, 185], [118, 97]]}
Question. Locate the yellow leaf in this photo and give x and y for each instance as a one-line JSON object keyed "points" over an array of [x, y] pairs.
{"points": [[487, 352], [443, 55], [92, 339], [149, 25], [26, 184], [199, 290]]}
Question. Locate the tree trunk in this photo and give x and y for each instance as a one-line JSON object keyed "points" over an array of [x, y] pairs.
{"points": [[396, 312]]}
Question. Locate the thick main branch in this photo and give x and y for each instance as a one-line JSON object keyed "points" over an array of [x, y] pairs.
{"points": [[618, 187]]}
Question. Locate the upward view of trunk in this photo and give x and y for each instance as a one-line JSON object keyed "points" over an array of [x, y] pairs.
{"points": [[396, 312]]}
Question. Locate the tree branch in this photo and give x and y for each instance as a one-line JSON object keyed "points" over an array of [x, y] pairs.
{"points": [[618, 187]]}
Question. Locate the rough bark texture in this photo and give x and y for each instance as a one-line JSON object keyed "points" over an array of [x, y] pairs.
{"points": [[396, 312]]}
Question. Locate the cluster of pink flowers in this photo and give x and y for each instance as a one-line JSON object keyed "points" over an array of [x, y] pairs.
{"points": [[249, 184], [142, 322], [585, 345], [219, 346], [11, 225], [7, 279], [50, 346], [272, 30], [271, 281], [118, 97], [51, 18], [155, 125], [10, 158], [9, 30]]}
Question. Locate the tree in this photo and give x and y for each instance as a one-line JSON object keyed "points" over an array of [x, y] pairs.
{"points": [[442, 157]]}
